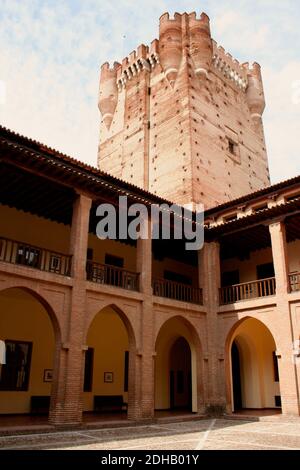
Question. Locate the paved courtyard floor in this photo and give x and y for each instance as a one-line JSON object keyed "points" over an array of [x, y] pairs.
{"points": [[207, 434]]}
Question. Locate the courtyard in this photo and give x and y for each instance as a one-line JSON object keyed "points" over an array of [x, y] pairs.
{"points": [[270, 433]]}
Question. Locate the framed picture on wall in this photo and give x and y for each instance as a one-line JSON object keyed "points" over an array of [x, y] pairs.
{"points": [[48, 375], [108, 377]]}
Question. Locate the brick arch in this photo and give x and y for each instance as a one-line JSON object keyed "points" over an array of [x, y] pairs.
{"points": [[57, 335], [124, 317], [196, 349], [132, 373], [50, 311], [190, 326], [228, 343]]}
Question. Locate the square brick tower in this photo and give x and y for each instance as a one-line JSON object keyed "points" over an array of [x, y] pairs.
{"points": [[182, 118]]}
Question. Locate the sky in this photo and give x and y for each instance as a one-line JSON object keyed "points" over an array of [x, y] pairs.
{"points": [[51, 52]]}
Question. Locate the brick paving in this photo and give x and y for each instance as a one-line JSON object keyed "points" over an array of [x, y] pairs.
{"points": [[206, 434]]}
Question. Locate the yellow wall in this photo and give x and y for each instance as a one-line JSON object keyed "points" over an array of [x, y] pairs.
{"points": [[171, 331], [256, 345], [34, 230], [108, 336], [112, 247], [158, 268], [24, 318], [247, 268]]}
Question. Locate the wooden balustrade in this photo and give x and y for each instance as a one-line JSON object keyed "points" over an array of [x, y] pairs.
{"points": [[177, 291], [118, 277], [18, 252], [247, 291]]}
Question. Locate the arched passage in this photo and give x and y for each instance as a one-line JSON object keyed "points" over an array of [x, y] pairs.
{"points": [[178, 373], [30, 330], [253, 369], [109, 364]]}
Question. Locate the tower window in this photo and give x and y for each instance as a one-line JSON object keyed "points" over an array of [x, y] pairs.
{"points": [[231, 147]]}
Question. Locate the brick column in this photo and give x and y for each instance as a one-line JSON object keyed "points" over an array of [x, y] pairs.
{"points": [[145, 357], [68, 409], [210, 282], [289, 387]]}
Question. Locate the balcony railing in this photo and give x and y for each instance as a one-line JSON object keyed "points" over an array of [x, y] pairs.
{"points": [[118, 277], [177, 291], [294, 282], [247, 291], [16, 252]]}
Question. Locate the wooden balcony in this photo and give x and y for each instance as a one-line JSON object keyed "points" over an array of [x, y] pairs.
{"points": [[17, 252], [177, 291], [247, 291], [294, 281], [118, 277]]}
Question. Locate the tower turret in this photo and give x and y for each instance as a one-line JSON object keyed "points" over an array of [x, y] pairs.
{"points": [[201, 47], [255, 92], [108, 92], [170, 45]]}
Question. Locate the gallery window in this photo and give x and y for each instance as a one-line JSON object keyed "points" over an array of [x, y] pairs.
{"points": [[28, 256], [88, 370], [15, 373], [275, 367]]}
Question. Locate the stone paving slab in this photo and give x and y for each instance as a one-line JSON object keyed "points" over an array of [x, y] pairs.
{"points": [[209, 434]]}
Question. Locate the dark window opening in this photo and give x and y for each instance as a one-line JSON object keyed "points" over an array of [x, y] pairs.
{"points": [[231, 147], [28, 256], [90, 254], [126, 370], [230, 278], [15, 373], [278, 401], [265, 271], [176, 277], [275, 367], [88, 370], [113, 260]]}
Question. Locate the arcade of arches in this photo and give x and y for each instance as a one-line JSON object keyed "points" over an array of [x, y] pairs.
{"points": [[254, 367], [30, 335]]}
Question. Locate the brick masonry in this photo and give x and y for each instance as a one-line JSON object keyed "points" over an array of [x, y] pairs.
{"points": [[183, 119]]}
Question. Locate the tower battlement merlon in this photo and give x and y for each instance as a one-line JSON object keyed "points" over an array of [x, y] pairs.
{"points": [[143, 58], [165, 17], [170, 45], [231, 68], [255, 91], [108, 93], [201, 47], [106, 67], [203, 18]]}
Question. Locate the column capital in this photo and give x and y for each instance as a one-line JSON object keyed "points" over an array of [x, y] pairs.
{"points": [[276, 223]]}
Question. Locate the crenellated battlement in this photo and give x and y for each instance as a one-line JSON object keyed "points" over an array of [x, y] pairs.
{"points": [[203, 18], [143, 58], [165, 18], [253, 69], [107, 68], [205, 52], [230, 67]]}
